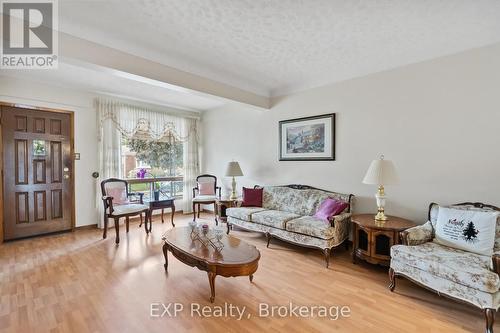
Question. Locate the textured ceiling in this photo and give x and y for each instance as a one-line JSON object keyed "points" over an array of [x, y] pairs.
{"points": [[277, 47]]}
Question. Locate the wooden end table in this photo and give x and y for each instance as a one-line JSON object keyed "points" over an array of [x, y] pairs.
{"points": [[221, 204], [372, 240], [236, 258], [162, 203]]}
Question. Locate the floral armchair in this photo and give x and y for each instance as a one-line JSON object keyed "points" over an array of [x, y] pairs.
{"points": [[460, 275]]}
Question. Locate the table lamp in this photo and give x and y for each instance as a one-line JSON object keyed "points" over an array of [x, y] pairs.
{"points": [[381, 172], [233, 170]]}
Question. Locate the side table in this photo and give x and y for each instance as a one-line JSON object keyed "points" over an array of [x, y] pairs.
{"points": [[221, 204], [162, 203], [372, 240]]}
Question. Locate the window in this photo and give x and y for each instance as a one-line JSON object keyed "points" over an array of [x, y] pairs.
{"points": [[158, 160]]}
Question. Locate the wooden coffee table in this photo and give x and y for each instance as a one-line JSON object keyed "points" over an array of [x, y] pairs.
{"points": [[236, 258]]}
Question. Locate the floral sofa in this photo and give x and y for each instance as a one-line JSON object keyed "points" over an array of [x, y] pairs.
{"points": [[460, 275], [287, 214]]}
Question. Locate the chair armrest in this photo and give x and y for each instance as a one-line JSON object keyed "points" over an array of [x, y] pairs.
{"points": [[135, 194], [417, 235], [194, 191], [339, 218], [218, 188], [108, 202]]}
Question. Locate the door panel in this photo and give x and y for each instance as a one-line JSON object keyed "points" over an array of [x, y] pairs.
{"points": [[37, 169]]}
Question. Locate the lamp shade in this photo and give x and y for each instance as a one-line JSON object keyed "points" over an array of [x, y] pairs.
{"points": [[381, 172], [233, 169]]}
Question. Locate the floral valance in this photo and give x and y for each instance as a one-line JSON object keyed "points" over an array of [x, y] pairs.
{"points": [[138, 122]]}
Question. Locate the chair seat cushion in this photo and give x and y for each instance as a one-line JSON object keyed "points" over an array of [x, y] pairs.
{"points": [[243, 213], [128, 209], [273, 218], [204, 198], [465, 268], [311, 226]]}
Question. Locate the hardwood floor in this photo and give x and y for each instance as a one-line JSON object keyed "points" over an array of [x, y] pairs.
{"points": [[78, 282]]}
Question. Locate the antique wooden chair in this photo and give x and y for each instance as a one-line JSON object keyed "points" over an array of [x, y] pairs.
{"points": [[117, 204], [205, 193]]}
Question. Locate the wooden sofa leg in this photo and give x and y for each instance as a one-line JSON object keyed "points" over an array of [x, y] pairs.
{"points": [[268, 236], [489, 315], [326, 253], [392, 279]]}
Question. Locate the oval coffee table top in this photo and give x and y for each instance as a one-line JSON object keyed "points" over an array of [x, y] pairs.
{"points": [[234, 252]]}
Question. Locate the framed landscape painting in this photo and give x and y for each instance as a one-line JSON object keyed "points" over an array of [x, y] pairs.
{"points": [[308, 139]]}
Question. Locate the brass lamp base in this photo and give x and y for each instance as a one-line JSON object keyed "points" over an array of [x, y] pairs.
{"points": [[380, 215], [233, 195]]}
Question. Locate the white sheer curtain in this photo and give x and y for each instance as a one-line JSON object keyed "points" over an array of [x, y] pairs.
{"points": [[191, 163], [117, 119]]}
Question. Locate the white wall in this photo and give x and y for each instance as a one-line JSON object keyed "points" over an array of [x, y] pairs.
{"points": [[439, 121], [42, 95]]}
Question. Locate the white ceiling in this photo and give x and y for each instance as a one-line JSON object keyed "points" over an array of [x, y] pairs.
{"points": [[105, 82], [278, 47]]}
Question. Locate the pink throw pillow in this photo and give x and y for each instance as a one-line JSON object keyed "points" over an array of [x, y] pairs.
{"points": [[330, 207], [206, 188], [252, 197], [119, 196]]}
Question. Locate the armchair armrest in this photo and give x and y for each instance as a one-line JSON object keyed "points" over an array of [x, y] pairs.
{"points": [[339, 218], [108, 202], [135, 194], [194, 191], [219, 189], [417, 235]]}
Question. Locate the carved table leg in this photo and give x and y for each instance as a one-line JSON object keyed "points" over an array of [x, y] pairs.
{"points": [[127, 223], [326, 253], [150, 220], [117, 230], [162, 210], [392, 278], [146, 219], [251, 277], [173, 213], [228, 227], [140, 224], [489, 315], [211, 280], [165, 254]]}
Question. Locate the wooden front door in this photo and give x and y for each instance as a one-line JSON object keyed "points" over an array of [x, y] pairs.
{"points": [[37, 172]]}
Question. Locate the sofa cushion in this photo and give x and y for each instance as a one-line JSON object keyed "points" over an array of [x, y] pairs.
{"points": [[243, 213], [465, 268], [311, 226], [301, 202], [273, 218]]}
